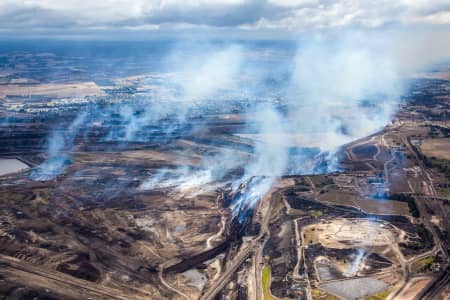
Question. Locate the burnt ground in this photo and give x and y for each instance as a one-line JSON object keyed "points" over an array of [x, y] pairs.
{"points": [[282, 252], [92, 222]]}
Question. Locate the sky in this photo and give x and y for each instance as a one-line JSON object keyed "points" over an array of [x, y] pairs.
{"points": [[72, 17]]}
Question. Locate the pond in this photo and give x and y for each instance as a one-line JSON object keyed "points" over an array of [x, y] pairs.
{"points": [[11, 165]]}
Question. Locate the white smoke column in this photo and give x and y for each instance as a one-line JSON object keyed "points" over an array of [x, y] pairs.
{"points": [[342, 90], [346, 87], [59, 145], [355, 264], [268, 164], [271, 155]]}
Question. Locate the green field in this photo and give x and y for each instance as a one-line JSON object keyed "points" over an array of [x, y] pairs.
{"points": [[321, 295], [379, 296], [266, 283], [423, 264]]}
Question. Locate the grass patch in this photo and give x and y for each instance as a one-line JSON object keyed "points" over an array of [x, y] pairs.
{"points": [[427, 261], [424, 264], [316, 213], [443, 192], [442, 165], [321, 180], [266, 283], [321, 295], [379, 296]]}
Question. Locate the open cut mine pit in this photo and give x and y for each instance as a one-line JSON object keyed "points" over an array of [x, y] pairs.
{"points": [[126, 175]]}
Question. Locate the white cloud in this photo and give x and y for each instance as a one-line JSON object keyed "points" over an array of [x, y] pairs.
{"points": [[299, 15]]}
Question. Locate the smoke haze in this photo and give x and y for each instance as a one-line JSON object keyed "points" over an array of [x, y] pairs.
{"points": [[331, 91]]}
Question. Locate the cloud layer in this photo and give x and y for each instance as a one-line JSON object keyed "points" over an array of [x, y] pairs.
{"points": [[296, 15]]}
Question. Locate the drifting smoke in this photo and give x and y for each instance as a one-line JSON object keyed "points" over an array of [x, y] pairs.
{"points": [[341, 89], [355, 265], [417, 50], [201, 77], [207, 73], [213, 169], [348, 88], [338, 90], [59, 145], [180, 179], [204, 75], [268, 164], [195, 77]]}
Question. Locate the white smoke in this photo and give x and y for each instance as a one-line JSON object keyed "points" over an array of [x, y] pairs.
{"points": [[346, 87], [206, 73], [270, 152], [59, 145], [416, 50], [342, 90], [195, 77], [212, 169], [355, 265], [180, 179], [268, 163]]}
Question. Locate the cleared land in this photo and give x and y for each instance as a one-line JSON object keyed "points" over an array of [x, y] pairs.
{"points": [[55, 90], [436, 147], [347, 233], [371, 206]]}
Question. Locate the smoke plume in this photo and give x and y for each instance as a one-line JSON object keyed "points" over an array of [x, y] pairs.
{"points": [[59, 145]]}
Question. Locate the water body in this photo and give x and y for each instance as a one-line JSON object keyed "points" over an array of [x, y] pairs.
{"points": [[11, 165], [196, 279], [353, 289]]}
